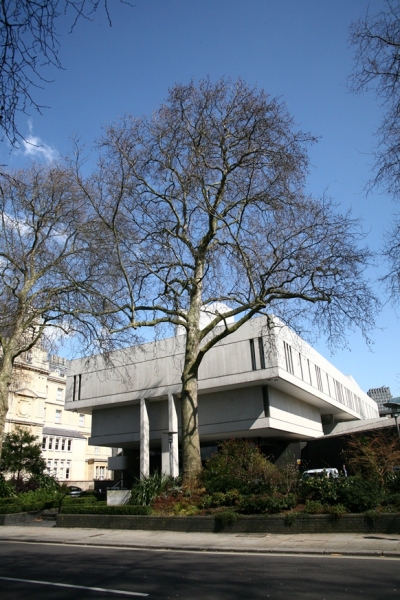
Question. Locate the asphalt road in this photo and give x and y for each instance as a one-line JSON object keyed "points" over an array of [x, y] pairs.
{"points": [[41, 571]]}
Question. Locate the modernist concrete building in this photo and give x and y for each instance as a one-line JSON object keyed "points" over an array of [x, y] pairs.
{"points": [[381, 395], [36, 403], [267, 385]]}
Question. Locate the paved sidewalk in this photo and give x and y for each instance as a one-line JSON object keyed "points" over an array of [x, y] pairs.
{"points": [[316, 544]]}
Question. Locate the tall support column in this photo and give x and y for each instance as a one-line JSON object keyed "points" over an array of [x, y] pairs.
{"points": [[144, 439], [173, 437]]}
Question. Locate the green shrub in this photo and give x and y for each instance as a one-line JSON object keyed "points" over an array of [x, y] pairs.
{"points": [[359, 495], [147, 489], [101, 508], [6, 488], [320, 489], [313, 507], [8, 509], [253, 505], [335, 511], [239, 465], [224, 519], [393, 482], [289, 519], [6, 501], [218, 499]]}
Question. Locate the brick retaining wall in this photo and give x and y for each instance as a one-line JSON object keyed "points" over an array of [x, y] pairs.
{"points": [[354, 523]]}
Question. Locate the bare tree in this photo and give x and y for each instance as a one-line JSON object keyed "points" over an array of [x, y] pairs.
{"points": [[203, 203], [42, 261], [377, 67], [29, 43], [377, 44], [375, 454]]}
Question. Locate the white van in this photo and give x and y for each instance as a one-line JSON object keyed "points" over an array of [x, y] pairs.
{"points": [[321, 473]]}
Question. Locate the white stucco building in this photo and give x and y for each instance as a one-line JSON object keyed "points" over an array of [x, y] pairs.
{"points": [[36, 403], [268, 385]]}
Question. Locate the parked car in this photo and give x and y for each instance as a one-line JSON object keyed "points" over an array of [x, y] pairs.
{"points": [[75, 491], [329, 472]]}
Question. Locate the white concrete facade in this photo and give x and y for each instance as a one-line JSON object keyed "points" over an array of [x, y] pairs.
{"points": [[256, 383]]}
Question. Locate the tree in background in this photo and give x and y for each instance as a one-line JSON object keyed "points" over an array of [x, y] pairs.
{"points": [[377, 44], [21, 456], [203, 204], [377, 67], [42, 262], [29, 43]]}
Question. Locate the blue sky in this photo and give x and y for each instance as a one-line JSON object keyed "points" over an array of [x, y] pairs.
{"points": [[297, 50]]}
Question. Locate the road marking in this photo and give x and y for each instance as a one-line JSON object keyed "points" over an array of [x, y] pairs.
{"points": [[77, 587]]}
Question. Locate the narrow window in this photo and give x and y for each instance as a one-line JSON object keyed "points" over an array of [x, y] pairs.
{"points": [[261, 352], [288, 358], [58, 416], [319, 378], [76, 392], [327, 381], [44, 443], [69, 445], [253, 356], [81, 420], [59, 394], [50, 443], [265, 395], [301, 366], [57, 444], [63, 444]]}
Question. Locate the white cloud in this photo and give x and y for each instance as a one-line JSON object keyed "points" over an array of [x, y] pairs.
{"points": [[34, 147]]}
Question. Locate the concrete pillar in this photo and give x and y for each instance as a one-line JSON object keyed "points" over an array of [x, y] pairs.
{"points": [[173, 427], [144, 439], [165, 462]]}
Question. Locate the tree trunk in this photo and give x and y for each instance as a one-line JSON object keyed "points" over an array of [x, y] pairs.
{"points": [[190, 419], [190, 430]]}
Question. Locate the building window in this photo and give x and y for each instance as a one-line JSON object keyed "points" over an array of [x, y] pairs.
{"points": [[100, 472], [57, 444], [76, 392], [301, 366], [253, 355], [63, 444], [58, 416], [69, 445], [50, 443], [319, 378], [62, 469], [55, 470], [309, 371], [49, 467], [59, 393], [44, 440], [265, 396], [288, 358], [68, 469], [327, 381], [81, 420], [96, 450], [261, 352]]}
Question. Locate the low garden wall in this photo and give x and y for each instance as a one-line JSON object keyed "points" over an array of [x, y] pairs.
{"points": [[350, 523]]}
